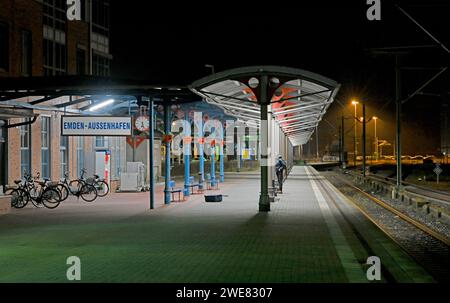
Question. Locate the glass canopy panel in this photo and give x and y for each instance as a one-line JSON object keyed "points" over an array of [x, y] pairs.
{"points": [[298, 105]]}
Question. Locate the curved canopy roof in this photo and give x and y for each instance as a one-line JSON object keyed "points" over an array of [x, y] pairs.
{"points": [[298, 98]]}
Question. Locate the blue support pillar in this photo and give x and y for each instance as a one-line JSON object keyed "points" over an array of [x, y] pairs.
{"points": [[187, 157], [201, 155], [151, 138], [213, 168], [187, 175], [167, 129], [221, 156]]}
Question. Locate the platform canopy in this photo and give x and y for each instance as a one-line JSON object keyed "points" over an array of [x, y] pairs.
{"points": [[77, 94], [298, 99]]}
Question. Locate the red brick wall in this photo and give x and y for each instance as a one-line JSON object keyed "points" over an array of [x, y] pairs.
{"points": [[23, 15], [78, 34], [13, 153]]}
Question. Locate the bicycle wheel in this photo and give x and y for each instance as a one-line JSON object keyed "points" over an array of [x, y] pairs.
{"points": [[88, 193], [63, 191], [75, 185], [19, 198], [102, 188], [51, 198]]}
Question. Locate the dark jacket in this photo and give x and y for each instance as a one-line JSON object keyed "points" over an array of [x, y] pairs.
{"points": [[280, 165]]}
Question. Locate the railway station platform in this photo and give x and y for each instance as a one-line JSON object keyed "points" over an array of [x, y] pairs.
{"points": [[312, 234]]}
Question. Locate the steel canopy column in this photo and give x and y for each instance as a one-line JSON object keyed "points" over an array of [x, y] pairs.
{"points": [[317, 144], [239, 151], [187, 158], [264, 203], [152, 149], [270, 142], [221, 171], [167, 128]]}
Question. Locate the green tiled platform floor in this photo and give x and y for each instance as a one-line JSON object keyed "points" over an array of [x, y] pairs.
{"points": [[117, 240]]}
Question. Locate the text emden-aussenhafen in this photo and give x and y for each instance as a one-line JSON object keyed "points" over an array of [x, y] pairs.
{"points": [[97, 125]]}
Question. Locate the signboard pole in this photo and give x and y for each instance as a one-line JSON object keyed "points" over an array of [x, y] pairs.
{"points": [[437, 170], [167, 127], [151, 153], [187, 159]]}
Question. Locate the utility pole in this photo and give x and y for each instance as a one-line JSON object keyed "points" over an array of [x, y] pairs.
{"points": [[398, 107], [340, 144], [355, 143], [343, 141], [364, 139], [376, 139]]}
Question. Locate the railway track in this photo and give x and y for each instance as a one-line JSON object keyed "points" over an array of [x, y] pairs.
{"points": [[428, 247], [426, 192]]}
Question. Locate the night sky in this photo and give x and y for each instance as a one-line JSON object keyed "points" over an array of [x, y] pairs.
{"points": [[170, 43]]}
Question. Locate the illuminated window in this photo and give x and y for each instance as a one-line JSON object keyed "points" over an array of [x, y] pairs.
{"points": [[25, 145], [25, 66], [64, 155], [80, 155], [45, 147]]}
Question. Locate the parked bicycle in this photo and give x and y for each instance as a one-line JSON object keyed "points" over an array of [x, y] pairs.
{"points": [[100, 185], [17, 196], [39, 192], [78, 188]]}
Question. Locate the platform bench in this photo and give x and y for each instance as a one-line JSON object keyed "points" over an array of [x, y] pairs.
{"points": [[174, 190], [209, 183], [192, 185]]}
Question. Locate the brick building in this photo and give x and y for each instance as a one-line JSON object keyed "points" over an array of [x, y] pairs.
{"points": [[37, 39]]}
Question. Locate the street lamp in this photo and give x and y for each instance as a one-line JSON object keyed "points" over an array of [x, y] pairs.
{"points": [[355, 103], [376, 138]]}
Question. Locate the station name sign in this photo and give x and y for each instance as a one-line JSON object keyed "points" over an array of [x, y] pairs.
{"points": [[96, 126]]}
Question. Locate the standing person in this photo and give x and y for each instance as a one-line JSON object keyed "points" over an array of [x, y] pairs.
{"points": [[280, 167]]}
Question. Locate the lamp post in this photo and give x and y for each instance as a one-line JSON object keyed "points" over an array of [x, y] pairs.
{"points": [[355, 103], [376, 138]]}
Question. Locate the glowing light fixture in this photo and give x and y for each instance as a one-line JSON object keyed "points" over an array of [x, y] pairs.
{"points": [[101, 105]]}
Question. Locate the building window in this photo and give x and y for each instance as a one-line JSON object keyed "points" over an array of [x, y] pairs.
{"points": [[80, 154], [4, 47], [25, 146], [100, 65], [54, 12], [100, 17], [25, 67], [55, 58], [64, 154], [45, 147], [116, 158], [81, 62], [83, 10], [54, 32], [101, 142]]}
